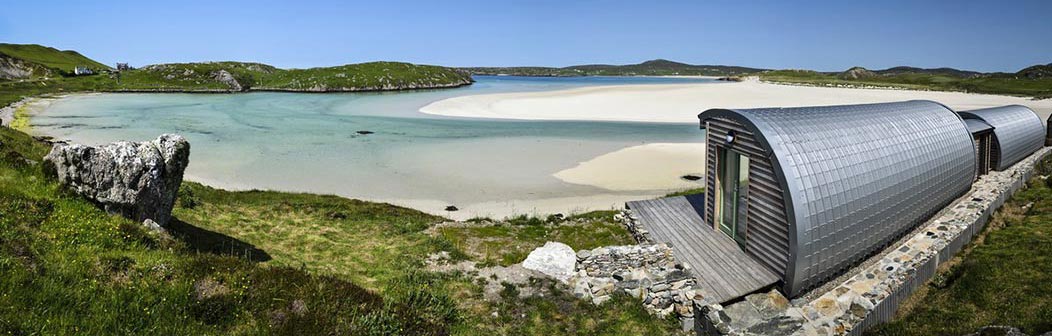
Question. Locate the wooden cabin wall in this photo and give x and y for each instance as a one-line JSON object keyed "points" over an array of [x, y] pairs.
{"points": [[767, 226]]}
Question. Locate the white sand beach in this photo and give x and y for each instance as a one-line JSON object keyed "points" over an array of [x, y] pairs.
{"points": [[681, 103], [657, 166]]}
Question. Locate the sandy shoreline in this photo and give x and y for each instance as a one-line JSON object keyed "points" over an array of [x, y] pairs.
{"points": [[656, 166], [681, 103]]}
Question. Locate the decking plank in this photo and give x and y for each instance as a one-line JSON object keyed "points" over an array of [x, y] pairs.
{"points": [[718, 262]]}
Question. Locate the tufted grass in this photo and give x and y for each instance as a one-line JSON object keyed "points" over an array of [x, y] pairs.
{"points": [[509, 242], [1004, 277], [254, 263]]}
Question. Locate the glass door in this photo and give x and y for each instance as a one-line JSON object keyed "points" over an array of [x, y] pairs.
{"points": [[732, 192]]}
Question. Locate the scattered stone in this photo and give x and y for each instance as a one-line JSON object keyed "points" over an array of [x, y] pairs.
{"points": [[781, 325], [742, 315], [998, 331], [152, 226], [583, 254], [554, 259], [598, 300], [769, 304], [136, 180]]}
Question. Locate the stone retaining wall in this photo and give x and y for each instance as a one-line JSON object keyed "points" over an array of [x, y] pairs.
{"points": [[873, 293], [646, 272]]}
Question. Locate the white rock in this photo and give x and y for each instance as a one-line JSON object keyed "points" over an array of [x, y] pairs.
{"points": [[554, 259]]}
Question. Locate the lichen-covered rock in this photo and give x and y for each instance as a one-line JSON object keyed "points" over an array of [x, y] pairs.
{"points": [[225, 77], [136, 180], [554, 259]]}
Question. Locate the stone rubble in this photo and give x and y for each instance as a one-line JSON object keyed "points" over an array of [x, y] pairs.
{"points": [[647, 272], [848, 308]]}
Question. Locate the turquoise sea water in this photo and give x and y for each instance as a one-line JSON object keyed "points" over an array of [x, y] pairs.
{"points": [[310, 142]]}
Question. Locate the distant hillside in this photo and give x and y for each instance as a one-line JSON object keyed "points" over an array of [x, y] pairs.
{"points": [[899, 70], [657, 67], [22, 61], [1037, 71], [1034, 81], [240, 76], [857, 73]]}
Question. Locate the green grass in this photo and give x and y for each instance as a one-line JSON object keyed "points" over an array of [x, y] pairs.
{"points": [[509, 242], [62, 61], [1003, 278], [992, 83], [258, 262], [688, 192], [70, 268]]}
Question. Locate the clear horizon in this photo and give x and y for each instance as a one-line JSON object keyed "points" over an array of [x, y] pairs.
{"points": [[818, 35]]}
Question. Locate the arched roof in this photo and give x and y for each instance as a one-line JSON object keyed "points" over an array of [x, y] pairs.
{"points": [[857, 176], [1019, 131]]}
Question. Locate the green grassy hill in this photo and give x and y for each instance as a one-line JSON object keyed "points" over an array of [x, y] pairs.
{"points": [[30, 61], [374, 76], [657, 67], [1031, 82], [60, 61]]}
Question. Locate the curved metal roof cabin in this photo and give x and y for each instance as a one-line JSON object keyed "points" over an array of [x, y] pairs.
{"points": [[1018, 132], [829, 186]]}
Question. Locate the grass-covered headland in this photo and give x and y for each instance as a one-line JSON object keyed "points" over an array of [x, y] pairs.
{"points": [[259, 262], [27, 69]]}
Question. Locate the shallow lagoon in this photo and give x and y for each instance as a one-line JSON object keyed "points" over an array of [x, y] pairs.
{"points": [[310, 142]]}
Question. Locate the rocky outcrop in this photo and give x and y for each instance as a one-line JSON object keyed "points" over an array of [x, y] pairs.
{"points": [[554, 259], [136, 180], [857, 73], [7, 113], [13, 68], [225, 77], [1036, 72]]}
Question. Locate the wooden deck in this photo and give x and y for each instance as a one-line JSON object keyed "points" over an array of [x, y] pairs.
{"points": [[720, 266]]}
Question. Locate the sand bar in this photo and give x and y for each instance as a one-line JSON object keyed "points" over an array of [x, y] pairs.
{"points": [[657, 166], [681, 103]]}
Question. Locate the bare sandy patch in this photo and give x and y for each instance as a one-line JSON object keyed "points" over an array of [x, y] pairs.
{"points": [[657, 166]]}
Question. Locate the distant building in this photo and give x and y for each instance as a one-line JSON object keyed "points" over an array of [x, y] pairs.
{"points": [[123, 67], [79, 71]]}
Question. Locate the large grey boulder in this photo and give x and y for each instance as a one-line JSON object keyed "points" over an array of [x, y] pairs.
{"points": [[136, 180], [554, 259]]}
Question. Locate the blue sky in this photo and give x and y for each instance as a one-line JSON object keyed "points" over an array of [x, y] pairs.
{"points": [[821, 35]]}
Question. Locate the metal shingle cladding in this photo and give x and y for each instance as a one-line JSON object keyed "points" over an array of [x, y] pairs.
{"points": [[1019, 132], [976, 125], [858, 176]]}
